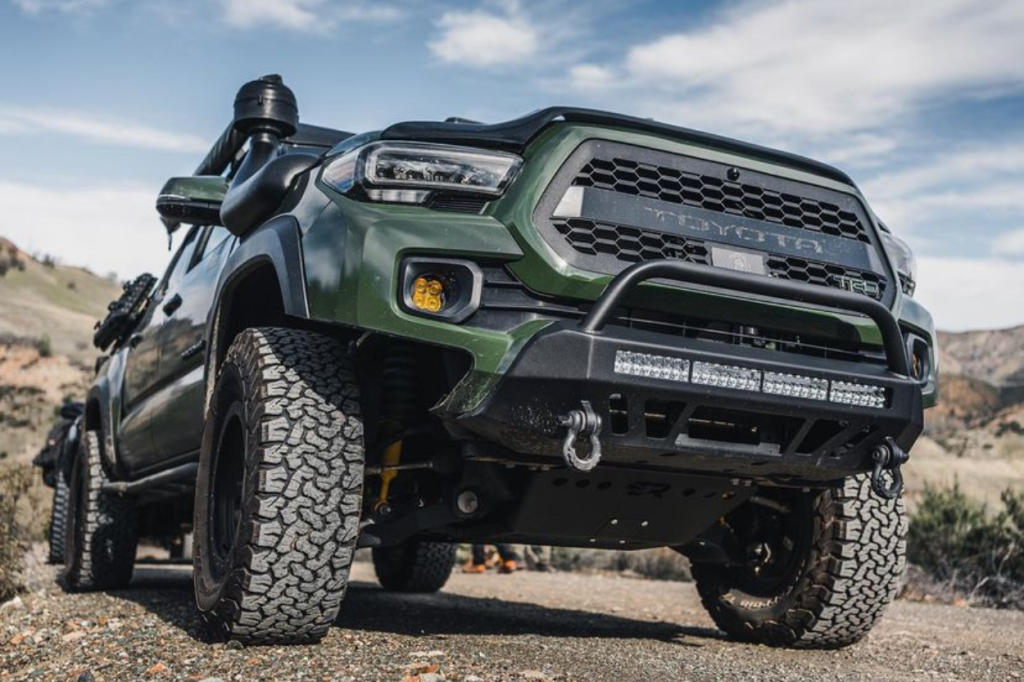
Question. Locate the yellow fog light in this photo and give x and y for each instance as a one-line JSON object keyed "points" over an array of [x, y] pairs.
{"points": [[428, 294]]}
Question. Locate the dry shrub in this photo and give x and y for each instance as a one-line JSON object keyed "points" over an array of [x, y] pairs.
{"points": [[966, 553]]}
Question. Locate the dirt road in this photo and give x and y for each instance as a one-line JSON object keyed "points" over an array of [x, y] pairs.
{"points": [[527, 626]]}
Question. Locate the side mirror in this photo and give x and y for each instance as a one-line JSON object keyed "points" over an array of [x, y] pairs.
{"points": [[193, 200], [71, 410]]}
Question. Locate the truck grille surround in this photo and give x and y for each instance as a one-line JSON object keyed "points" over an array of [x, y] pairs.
{"points": [[612, 205]]}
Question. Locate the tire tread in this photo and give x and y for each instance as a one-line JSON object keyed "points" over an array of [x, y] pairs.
{"points": [[856, 561], [303, 496]]}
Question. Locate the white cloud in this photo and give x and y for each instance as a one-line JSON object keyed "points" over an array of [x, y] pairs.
{"points": [[61, 6], [1009, 243], [968, 187], [971, 293], [810, 68], [294, 14], [311, 16], [22, 120], [486, 39], [958, 166], [106, 228], [592, 77], [864, 149]]}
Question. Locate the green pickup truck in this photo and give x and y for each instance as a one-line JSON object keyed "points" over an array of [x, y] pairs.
{"points": [[574, 328]]}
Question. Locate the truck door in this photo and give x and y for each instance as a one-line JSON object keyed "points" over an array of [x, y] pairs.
{"points": [[178, 417], [142, 366]]}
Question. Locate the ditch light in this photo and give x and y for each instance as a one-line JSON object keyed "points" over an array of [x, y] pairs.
{"points": [[748, 379]]}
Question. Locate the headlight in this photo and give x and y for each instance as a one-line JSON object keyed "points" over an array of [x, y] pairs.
{"points": [[903, 257], [409, 172]]}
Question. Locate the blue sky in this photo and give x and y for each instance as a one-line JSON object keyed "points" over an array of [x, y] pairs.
{"points": [[922, 102]]}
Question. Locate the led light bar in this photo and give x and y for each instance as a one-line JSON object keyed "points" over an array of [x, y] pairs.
{"points": [[862, 395], [726, 376], [654, 366], [795, 386], [749, 379]]}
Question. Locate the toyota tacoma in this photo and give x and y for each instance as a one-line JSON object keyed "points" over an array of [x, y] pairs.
{"points": [[574, 328]]}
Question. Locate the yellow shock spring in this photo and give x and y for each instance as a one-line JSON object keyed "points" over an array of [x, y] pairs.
{"points": [[392, 456]]}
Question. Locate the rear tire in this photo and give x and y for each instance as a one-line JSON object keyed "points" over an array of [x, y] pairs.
{"points": [[414, 565], [849, 552], [279, 489], [58, 520], [101, 528]]}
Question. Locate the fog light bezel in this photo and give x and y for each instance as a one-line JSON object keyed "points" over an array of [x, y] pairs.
{"points": [[918, 348], [463, 280]]}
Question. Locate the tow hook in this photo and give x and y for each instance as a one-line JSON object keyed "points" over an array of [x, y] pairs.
{"points": [[888, 457], [581, 423]]}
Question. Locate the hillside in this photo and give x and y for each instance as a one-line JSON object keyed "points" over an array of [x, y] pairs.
{"points": [[45, 300], [996, 357], [47, 312]]}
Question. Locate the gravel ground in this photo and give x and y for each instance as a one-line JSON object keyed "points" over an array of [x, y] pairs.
{"points": [[528, 626]]}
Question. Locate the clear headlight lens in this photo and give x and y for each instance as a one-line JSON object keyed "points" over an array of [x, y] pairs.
{"points": [[903, 257], [408, 172]]}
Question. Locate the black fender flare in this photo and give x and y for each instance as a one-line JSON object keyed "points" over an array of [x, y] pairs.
{"points": [[277, 243], [104, 396]]}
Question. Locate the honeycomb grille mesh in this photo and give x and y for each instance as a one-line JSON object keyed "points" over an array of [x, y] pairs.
{"points": [[629, 244], [633, 245], [723, 196]]}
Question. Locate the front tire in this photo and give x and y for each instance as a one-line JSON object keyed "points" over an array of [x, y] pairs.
{"points": [[101, 533], [414, 565], [836, 564], [279, 489]]}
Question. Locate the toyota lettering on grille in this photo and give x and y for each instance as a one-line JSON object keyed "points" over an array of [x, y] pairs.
{"points": [[709, 229]]}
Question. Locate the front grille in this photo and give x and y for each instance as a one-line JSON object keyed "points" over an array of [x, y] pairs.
{"points": [[634, 245], [720, 195], [612, 205], [630, 244]]}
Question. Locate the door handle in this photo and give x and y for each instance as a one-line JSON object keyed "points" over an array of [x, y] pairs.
{"points": [[173, 304]]}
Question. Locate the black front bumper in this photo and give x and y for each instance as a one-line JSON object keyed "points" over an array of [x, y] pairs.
{"points": [[665, 423]]}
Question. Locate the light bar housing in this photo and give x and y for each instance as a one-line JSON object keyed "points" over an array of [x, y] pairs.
{"points": [[655, 366], [861, 395], [739, 378], [795, 386], [726, 376], [411, 172]]}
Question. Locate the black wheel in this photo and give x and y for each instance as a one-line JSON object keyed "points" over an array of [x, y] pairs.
{"points": [[58, 519], [414, 565], [101, 530], [822, 567], [279, 489]]}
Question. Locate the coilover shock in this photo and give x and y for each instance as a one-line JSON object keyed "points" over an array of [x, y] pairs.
{"points": [[399, 404]]}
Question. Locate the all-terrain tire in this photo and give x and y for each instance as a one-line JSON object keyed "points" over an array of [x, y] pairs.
{"points": [[414, 565], [58, 519], [849, 572], [101, 528], [279, 488]]}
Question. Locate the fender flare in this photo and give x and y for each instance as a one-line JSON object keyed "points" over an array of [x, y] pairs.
{"points": [[105, 394], [277, 243]]}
